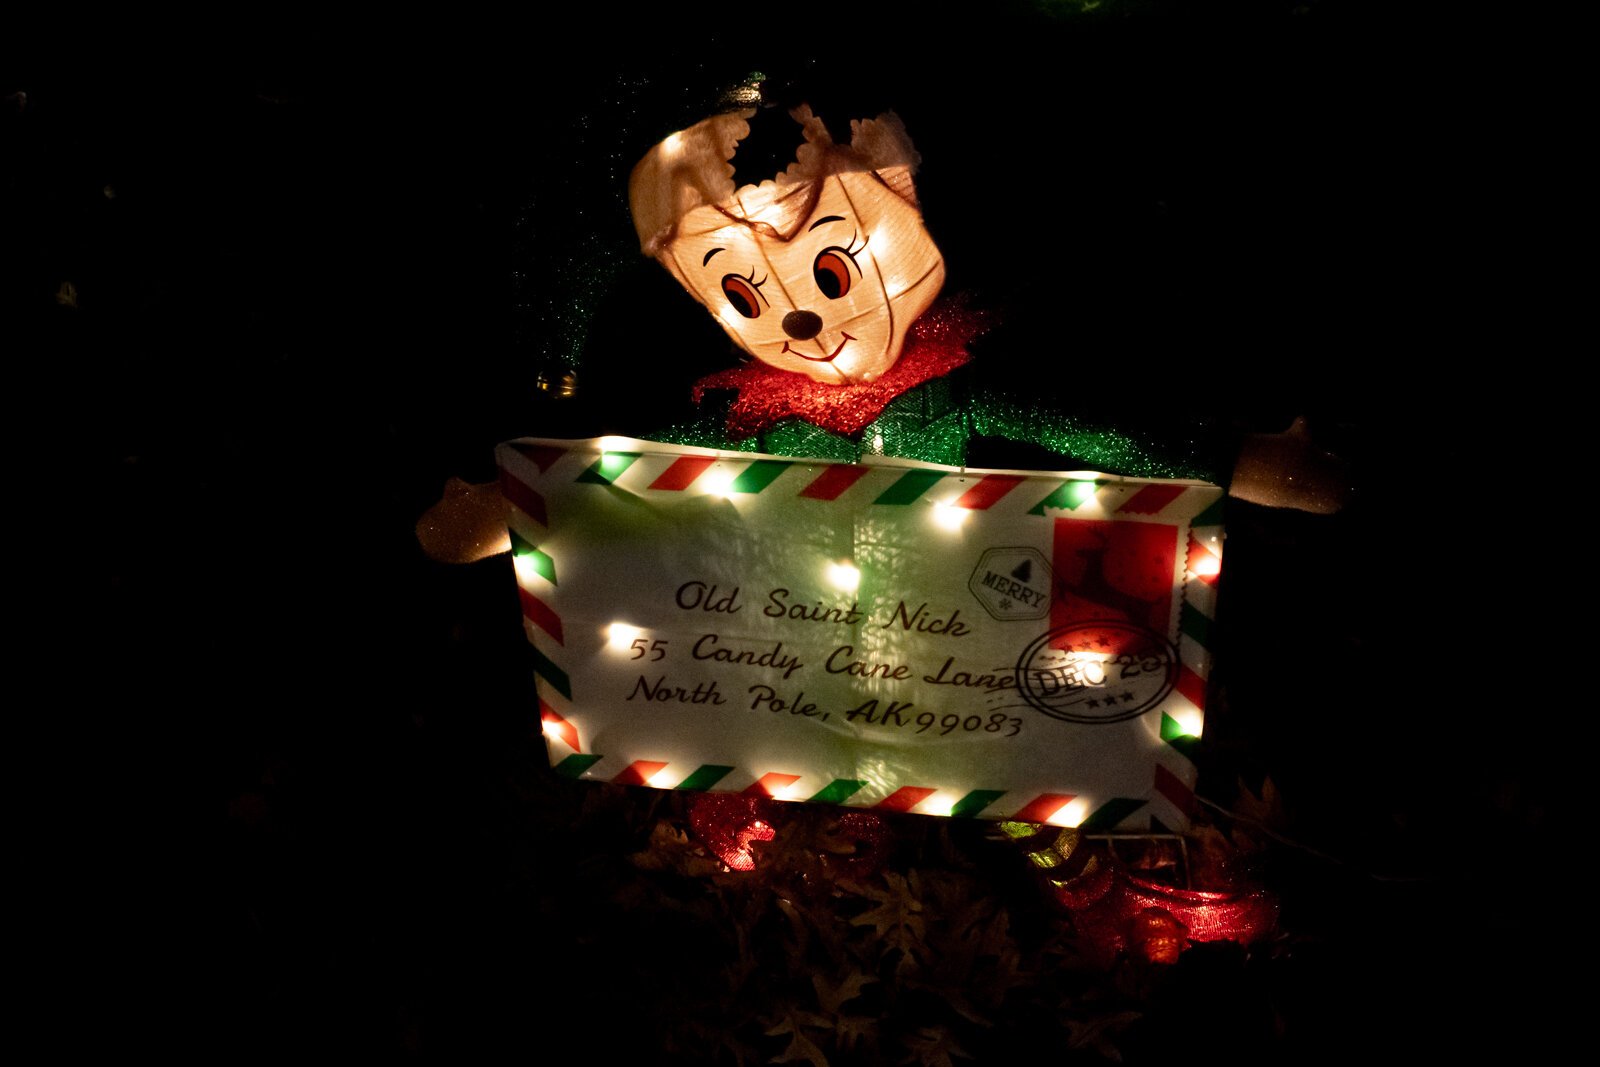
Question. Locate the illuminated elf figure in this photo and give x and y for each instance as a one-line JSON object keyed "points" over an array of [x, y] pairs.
{"points": [[819, 273]]}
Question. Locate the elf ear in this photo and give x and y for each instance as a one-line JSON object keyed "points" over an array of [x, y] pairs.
{"points": [[689, 169], [883, 144], [898, 179]]}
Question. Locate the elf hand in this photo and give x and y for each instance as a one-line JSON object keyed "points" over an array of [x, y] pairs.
{"points": [[466, 525], [1288, 470]]}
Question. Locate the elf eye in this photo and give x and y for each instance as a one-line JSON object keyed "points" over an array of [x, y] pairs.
{"points": [[832, 272], [741, 294]]}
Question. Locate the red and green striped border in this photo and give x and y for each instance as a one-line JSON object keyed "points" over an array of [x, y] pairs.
{"points": [[897, 486]]}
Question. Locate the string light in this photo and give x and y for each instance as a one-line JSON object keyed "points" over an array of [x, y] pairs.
{"points": [[949, 517], [1080, 492], [844, 575], [612, 464], [1190, 721], [1072, 813], [526, 565], [718, 481], [620, 636]]}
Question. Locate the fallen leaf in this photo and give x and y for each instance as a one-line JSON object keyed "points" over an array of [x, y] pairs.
{"points": [[934, 1047], [831, 997], [1093, 1033], [800, 1046]]}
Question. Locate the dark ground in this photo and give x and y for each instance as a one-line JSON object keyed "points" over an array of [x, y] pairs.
{"points": [[289, 280]]}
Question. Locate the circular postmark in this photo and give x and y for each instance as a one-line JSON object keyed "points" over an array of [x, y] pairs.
{"points": [[1097, 671]]}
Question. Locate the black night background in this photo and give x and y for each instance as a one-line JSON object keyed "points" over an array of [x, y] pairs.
{"points": [[270, 284]]}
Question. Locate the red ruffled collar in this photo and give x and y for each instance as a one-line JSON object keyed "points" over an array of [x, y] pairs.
{"points": [[935, 345]]}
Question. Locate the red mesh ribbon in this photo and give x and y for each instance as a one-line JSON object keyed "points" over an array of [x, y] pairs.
{"points": [[730, 825], [1158, 921], [1114, 910], [936, 344]]}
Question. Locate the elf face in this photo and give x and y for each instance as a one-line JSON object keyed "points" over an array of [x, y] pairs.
{"points": [[834, 300]]}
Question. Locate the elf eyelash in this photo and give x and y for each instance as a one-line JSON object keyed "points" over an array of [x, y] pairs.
{"points": [[852, 251], [832, 268], [751, 278], [743, 292]]}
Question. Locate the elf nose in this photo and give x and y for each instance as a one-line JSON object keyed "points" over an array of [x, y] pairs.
{"points": [[802, 325]]}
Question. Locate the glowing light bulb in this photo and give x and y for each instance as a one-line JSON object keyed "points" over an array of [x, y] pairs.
{"points": [[941, 803], [612, 464], [527, 568], [718, 481], [1189, 721], [665, 778], [843, 574], [614, 444], [1208, 566], [949, 517], [620, 636], [1072, 813], [1089, 667]]}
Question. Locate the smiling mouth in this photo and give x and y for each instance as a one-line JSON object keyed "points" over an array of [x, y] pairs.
{"points": [[822, 359]]}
